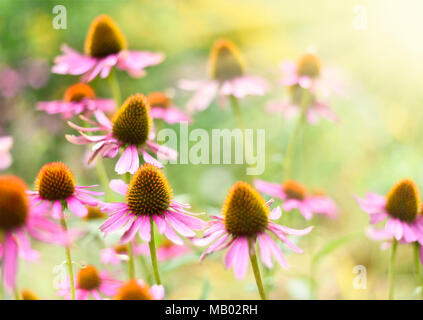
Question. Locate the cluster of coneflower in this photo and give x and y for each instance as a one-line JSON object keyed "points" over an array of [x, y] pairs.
{"points": [[247, 226]]}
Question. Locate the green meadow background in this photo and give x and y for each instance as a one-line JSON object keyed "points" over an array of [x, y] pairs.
{"points": [[377, 141]]}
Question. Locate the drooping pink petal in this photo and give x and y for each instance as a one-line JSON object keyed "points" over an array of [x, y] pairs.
{"points": [[10, 261]]}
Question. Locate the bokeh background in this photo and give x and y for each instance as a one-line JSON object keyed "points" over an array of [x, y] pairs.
{"points": [[376, 142]]}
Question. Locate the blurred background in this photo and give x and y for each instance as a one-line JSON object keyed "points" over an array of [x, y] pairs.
{"points": [[376, 142]]}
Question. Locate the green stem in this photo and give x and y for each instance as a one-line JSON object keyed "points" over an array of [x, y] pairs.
{"points": [[131, 266], [290, 150], [392, 269], [237, 112], [256, 270], [68, 257], [153, 255], [114, 87], [417, 268]]}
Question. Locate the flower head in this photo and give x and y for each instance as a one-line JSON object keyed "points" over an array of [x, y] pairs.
{"points": [[94, 213], [227, 71], [148, 199], [5, 157], [29, 295], [105, 48], [400, 208], [138, 290], [246, 218], [55, 183], [91, 281], [79, 98], [162, 107], [18, 218], [130, 128], [295, 196]]}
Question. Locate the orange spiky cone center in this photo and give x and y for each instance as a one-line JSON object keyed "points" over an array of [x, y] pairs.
{"points": [[309, 65], [132, 122], [133, 290], [14, 204], [89, 278], [55, 181], [294, 190], [226, 61], [121, 249], [104, 38], [78, 92], [245, 212], [149, 191], [402, 201]]}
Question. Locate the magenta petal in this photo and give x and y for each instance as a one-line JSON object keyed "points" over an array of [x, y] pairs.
{"points": [[145, 228], [265, 253], [76, 206], [118, 186]]}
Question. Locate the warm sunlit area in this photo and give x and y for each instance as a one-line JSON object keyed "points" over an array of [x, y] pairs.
{"points": [[92, 92]]}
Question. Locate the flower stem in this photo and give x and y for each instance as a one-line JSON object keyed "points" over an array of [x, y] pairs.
{"points": [[237, 111], [290, 150], [392, 269], [68, 256], [131, 266], [417, 268], [153, 255], [256, 270], [114, 87]]}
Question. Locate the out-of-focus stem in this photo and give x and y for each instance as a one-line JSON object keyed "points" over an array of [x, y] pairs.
{"points": [[237, 112], [103, 177], [290, 150], [114, 87], [131, 266], [392, 269]]}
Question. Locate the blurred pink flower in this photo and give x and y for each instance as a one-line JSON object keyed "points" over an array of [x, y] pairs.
{"points": [[308, 73], [18, 219], [11, 82], [166, 251], [295, 196], [105, 48], [245, 220], [35, 72], [55, 183], [162, 107], [78, 99], [401, 212], [130, 130], [226, 65], [90, 281], [148, 200], [314, 112], [5, 157]]}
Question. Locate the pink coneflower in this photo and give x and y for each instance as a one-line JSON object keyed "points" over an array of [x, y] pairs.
{"points": [[6, 144], [162, 107], [149, 201], [105, 48], [18, 218], [227, 70], [314, 112], [130, 129], [79, 98], [400, 208], [404, 221], [296, 196], [55, 184], [90, 281], [308, 73], [11, 82], [138, 290], [245, 221]]}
